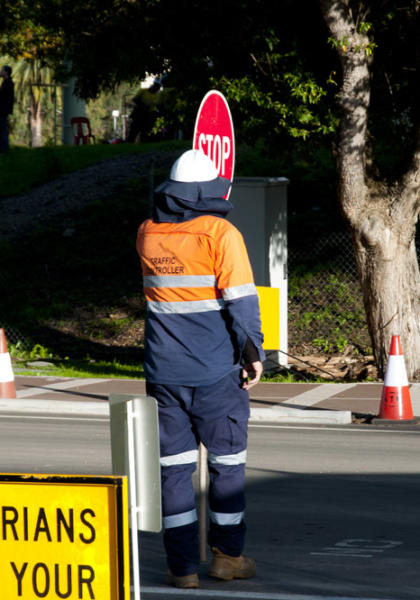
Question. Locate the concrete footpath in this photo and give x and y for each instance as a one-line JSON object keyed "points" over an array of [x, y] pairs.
{"points": [[330, 403]]}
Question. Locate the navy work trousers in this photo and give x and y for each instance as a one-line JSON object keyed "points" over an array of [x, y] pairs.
{"points": [[217, 415]]}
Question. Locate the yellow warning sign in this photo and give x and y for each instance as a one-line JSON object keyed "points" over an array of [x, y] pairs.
{"points": [[270, 316], [64, 536]]}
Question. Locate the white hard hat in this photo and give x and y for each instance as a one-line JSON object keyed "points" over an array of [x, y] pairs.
{"points": [[193, 165]]}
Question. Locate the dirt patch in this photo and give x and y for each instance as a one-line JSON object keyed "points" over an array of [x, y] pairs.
{"points": [[21, 214], [335, 367]]}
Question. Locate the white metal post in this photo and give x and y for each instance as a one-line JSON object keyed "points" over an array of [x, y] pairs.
{"points": [[135, 453], [131, 415], [72, 106], [203, 501]]}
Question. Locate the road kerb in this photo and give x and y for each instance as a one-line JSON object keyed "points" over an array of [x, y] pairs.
{"points": [[282, 414], [276, 414], [42, 406]]}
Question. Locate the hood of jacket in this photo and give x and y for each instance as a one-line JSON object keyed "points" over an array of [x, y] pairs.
{"points": [[178, 201]]}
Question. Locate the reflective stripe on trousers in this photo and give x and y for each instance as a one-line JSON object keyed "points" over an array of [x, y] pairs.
{"points": [[225, 490]]}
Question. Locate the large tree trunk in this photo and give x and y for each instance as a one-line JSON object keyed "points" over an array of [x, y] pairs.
{"points": [[389, 274], [382, 219]]}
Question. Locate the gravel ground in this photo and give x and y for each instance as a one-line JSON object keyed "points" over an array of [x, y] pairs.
{"points": [[19, 214]]}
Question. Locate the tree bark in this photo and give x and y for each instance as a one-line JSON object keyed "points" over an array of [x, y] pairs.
{"points": [[35, 112], [389, 275], [382, 218]]}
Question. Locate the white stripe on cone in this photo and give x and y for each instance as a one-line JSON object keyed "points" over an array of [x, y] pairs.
{"points": [[6, 371], [396, 374]]}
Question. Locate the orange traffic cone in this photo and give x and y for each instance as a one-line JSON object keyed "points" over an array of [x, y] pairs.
{"points": [[395, 400], [7, 379]]}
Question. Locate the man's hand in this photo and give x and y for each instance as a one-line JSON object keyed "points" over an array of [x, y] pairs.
{"points": [[251, 370]]}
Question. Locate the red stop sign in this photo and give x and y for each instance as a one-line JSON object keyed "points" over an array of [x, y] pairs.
{"points": [[213, 133]]}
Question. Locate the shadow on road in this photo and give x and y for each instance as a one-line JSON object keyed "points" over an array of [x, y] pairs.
{"points": [[334, 535]]}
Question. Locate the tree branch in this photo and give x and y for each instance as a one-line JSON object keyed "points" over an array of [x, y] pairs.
{"points": [[411, 179], [353, 98]]}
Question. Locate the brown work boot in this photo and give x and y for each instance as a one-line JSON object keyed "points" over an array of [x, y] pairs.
{"points": [[231, 567], [182, 581]]}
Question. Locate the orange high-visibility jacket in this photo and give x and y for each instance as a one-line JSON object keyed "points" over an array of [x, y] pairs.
{"points": [[202, 304]]}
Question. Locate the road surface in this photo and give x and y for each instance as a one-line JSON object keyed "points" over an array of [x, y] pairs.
{"points": [[332, 512]]}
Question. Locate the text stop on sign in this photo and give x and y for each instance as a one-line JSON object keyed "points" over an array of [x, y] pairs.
{"points": [[217, 148], [213, 133]]}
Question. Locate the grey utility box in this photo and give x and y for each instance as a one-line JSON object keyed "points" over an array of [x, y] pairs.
{"points": [[260, 214]]}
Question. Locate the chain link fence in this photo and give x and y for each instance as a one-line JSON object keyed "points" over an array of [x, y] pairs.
{"points": [[13, 335], [326, 312]]}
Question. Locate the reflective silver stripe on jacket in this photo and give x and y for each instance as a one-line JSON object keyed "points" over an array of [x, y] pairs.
{"points": [[180, 519], [183, 458], [226, 518], [194, 306], [176, 281], [238, 291], [228, 459]]}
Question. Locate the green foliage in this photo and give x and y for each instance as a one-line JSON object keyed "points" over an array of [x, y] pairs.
{"points": [[291, 376], [331, 304], [343, 44], [99, 110], [70, 367], [21, 352], [280, 97], [39, 351], [365, 27], [33, 88], [18, 350], [337, 343]]}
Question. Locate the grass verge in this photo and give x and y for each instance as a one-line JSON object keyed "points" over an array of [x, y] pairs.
{"points": [[23, 168], [80, 369]]}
